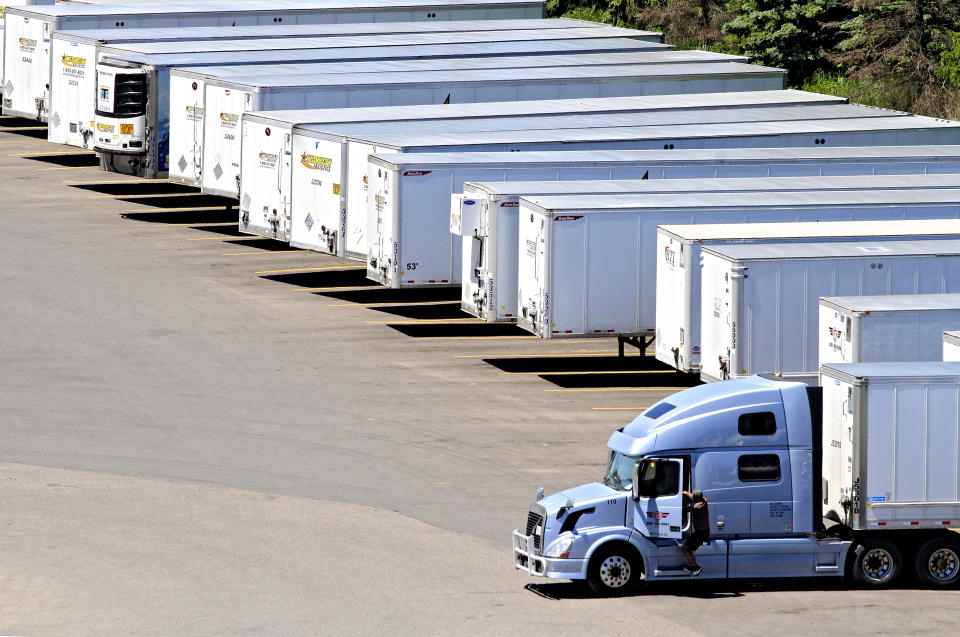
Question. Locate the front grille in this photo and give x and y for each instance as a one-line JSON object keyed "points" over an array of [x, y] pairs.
{"points": [[534, 520]]}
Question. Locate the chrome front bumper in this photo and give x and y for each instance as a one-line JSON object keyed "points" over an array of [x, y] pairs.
{"points": [[526, 558]]}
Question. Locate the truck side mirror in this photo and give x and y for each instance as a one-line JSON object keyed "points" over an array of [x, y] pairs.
{"points": [[636, 479]]}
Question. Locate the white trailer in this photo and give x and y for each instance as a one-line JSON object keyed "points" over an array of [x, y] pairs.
{"points": [[27, 49], [890, 445], [73, 54], [3, 7], [760, 301], [588, 263], [679, 246], [485, 217], [349, 154], [435, 177], [439, 260], [270, 132], [336, 91], [892, 328], [951, 345], [366, 55]]}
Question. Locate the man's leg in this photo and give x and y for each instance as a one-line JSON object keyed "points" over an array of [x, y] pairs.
{"points": [[691, 561]]}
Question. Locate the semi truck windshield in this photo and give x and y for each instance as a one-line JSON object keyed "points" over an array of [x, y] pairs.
{"points": [[620, 471]]}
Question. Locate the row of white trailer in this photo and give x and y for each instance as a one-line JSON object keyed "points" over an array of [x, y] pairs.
{"points": [[551, 169]]}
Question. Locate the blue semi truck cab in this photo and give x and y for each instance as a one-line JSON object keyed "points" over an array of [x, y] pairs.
{"points": [[755, 447]]}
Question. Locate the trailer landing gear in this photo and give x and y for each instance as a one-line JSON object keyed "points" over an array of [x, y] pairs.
{"points": [[637, 341]]}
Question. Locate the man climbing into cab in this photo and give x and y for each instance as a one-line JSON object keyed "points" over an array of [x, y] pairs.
{"points": [[700, 520]]}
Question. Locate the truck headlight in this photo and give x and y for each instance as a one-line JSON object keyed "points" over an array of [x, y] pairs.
{"points": [[561, 548]]}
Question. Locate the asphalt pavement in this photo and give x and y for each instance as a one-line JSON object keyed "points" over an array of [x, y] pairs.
{"points": [[208, 433]]}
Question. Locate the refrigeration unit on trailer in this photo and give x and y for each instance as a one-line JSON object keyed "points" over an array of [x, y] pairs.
{"points": [[349, 167], [891, 328], [232, 97], [951, 345], [27, 49], [760, 302], [485, 216], [433, 253], [856, 479], [73, 54], [149, 158], [588, 263]]}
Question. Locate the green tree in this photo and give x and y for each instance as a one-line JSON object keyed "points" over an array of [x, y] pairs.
{"points": [[687, 24], [907, 49], [792, 34]]}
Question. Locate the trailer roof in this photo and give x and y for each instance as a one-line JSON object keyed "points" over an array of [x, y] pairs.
{"points": [[537, 107], [639, 133], [713, 156], [291, 59], [559, 124], [952, 336], [709, 184], [247, 6], [889, 373], [650, 72], [814, 229], [331, 30], [791, 199], [876, 250], [894, 302], [450, 39]]}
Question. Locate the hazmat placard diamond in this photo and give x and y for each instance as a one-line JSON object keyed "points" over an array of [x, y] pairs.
{"points": [[217, 171], [182, 164], [308, 222]]}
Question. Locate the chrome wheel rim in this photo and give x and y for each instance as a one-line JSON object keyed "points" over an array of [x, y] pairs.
{"points": [[877, 564], [615, 571], [943, 564]]}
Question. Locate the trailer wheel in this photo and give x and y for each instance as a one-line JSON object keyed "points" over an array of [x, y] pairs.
{"points": [[615, 569], [877, 563], [938, 562]]}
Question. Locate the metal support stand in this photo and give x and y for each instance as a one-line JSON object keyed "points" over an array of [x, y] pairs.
{"points": [[636, 341]]}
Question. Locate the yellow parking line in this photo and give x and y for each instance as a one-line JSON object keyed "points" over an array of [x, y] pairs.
{"points": [[56, 152], [218, 224], [159, 194], [24, 141], [197, 208], [421, 321], [243, 254], [623, 389], [619, 408], [393, 304], [475, 338], [114, 181], [338, 287], [68, 168], [599, 354], [639, 371], [14, 129], [226, 237], [329, 267]]}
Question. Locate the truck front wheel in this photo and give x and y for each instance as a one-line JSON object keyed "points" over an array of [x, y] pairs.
{"points": [[877, 563], [615, 569], [938, 562]]}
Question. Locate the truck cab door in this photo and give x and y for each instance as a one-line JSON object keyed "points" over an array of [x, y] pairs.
{"points": [[658, 485]]}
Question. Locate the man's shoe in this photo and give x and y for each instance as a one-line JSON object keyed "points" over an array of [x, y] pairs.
{"points": [[688, 568], [697, 571]]}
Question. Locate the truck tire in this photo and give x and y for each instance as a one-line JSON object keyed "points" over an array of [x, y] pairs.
{"points": [[615, 569], [876, 563], [938, 562]]}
